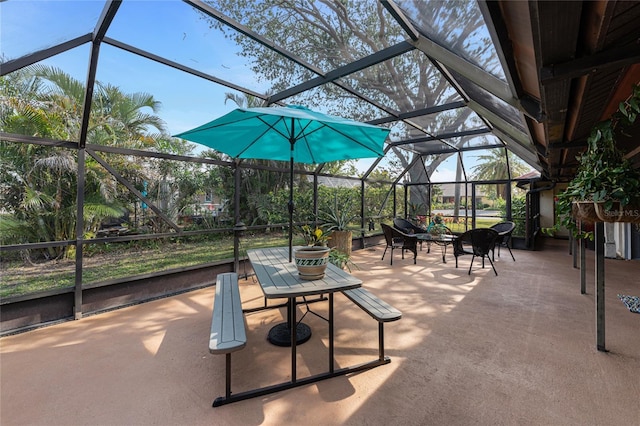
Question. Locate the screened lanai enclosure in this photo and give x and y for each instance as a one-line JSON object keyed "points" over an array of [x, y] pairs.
{"points": [[103, 207]]}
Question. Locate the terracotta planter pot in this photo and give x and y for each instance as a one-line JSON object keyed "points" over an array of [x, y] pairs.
{"points": [[341, 240], [311, 262]]}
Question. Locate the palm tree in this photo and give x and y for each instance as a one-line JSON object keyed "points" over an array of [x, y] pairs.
{"points": [[497, 166], [39, 182], [122, 117]]}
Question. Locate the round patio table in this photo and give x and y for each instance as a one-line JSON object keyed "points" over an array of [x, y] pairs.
{"points": [[443, 240]]}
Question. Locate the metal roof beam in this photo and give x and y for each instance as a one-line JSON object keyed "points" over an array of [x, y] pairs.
{"points": [[612, 58], [406, 170], [472, 72], [377, 161], [181, 67], [497, 121], [521, 151], [106, 17], [32, 58], [219, 16], [418, 113], [471, 148], [500, 37], [401, 19], [480, 77], [457, 150], [442, 136], [368, 61]]}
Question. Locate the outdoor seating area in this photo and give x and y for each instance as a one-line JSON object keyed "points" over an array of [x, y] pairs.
{"points": [[279, 279], [244, 212], [478, 242], [517, 348]]}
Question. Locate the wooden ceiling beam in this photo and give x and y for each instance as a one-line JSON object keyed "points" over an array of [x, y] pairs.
{"points": [[623, 91], [613, 58]]}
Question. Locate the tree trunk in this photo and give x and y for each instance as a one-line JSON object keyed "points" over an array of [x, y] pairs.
{"points": [[417, 194], [456, 194]]}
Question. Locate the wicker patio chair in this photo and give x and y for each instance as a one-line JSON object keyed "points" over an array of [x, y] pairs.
{"points": [[397, 239], [504, 230], [409, 228], [476, 242]]}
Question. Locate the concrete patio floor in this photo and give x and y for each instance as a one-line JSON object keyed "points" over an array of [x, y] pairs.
{"points": [[516, 349]]}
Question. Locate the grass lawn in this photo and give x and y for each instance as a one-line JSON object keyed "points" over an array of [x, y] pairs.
{"points": [[125, 260], [120, 260], [481, 222]]}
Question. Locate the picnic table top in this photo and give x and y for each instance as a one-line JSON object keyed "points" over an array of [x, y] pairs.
{"points": [[279, 278]]}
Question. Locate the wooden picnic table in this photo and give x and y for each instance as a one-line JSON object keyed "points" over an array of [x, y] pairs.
{"points": [[278, 278]]}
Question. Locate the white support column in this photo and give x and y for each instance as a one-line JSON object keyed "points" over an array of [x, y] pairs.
{"points": [[622, 232], [609, 241]]}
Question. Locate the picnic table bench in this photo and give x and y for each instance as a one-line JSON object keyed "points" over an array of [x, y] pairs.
{"points": [[377, 308], [228, 327]]}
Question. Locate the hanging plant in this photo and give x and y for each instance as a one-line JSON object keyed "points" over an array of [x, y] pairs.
{"points": [[605, 178]]}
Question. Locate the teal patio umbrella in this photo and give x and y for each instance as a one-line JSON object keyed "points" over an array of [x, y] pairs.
{"points": [[292, 133]]}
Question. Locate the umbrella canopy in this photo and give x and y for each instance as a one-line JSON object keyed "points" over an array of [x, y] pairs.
{"points": [[292, 133], [268, 133]]}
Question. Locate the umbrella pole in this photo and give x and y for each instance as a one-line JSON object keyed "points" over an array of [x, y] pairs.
{"points": [[292, 141]]}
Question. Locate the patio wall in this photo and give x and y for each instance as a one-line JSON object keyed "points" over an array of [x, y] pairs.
{"points": [[24, 313]]}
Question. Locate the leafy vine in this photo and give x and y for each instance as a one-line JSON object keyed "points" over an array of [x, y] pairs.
{"points": [[604, 174]]}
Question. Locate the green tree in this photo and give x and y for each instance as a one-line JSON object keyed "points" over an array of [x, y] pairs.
{"points": [[330, 34], [39, 182], [495, 165]]}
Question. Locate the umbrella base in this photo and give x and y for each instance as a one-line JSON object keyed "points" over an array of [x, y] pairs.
{"points": [[280, 335]]}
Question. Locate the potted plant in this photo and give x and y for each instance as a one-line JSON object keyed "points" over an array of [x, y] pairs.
{"points": [[606, 186], [311, 260], [314, 237], [436, 226], [336, 221], [341, 260]]}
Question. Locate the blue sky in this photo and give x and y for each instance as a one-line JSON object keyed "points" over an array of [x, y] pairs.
{"points": [[169, 29]]}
